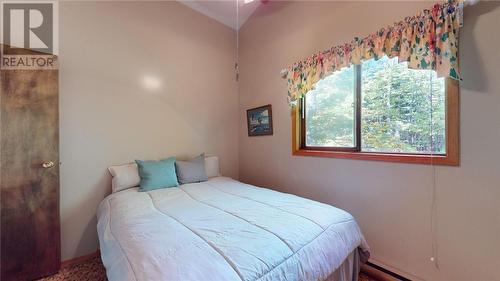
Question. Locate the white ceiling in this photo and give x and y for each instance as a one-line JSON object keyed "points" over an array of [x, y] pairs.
{"points": [[224, 11]]}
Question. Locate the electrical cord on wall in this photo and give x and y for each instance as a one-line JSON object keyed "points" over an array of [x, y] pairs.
{"points": [[236, 64], [433, 215]]}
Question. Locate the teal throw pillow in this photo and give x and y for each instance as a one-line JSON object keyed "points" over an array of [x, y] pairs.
{"points": [[157, 174]]}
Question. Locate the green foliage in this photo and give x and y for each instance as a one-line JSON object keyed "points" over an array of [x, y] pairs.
{"points": [[403, 110], [330, 111]]}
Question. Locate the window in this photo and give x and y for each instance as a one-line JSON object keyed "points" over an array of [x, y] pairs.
{"points": [[380, 110]]}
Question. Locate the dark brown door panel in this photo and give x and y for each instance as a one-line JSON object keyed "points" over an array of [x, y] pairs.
{"points": [[30, 231]]}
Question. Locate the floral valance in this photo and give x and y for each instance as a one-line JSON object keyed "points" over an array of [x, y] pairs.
{"points": [[428, 40]]}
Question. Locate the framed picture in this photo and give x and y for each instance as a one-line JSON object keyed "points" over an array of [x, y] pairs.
{"points": [[260, 121]]}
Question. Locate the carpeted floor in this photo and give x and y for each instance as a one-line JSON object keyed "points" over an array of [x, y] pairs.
{"points": [[93, 270], [90, 270]]}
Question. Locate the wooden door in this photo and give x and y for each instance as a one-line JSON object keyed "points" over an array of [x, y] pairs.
{"points": [[30, 232]]}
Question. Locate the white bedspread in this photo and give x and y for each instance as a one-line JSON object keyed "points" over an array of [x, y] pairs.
{"points": [[222, 230]]}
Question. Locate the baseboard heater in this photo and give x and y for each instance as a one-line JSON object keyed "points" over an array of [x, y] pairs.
{"points": [[381, 273]]}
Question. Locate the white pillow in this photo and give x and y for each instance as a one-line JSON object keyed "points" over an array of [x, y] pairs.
{"points": [[212, 166], [124, 176]]}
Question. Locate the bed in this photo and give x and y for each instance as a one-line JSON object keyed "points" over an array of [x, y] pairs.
{"points": [[223, 229]]}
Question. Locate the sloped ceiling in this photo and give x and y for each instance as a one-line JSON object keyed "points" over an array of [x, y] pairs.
{"points": [[224, 11]]}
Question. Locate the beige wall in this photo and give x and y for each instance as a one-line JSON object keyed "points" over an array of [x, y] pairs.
{"points": [[390, 201], [109, 117]]}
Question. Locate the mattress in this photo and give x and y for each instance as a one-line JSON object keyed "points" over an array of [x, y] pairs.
{"points": [[222, 229]]}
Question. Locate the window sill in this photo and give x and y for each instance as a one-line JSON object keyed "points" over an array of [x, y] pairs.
{"points": [[387, 157]]}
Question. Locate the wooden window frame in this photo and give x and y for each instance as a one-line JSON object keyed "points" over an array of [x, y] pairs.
{"points": [[451, 158]]}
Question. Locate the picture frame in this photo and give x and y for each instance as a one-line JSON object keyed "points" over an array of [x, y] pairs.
{"points": [[260, 121]]}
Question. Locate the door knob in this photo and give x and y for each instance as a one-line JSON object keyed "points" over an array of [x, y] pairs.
{"points": [[48, 164]]}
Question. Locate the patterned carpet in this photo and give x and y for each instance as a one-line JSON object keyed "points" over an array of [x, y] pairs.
{"points": [[93, 270]]}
